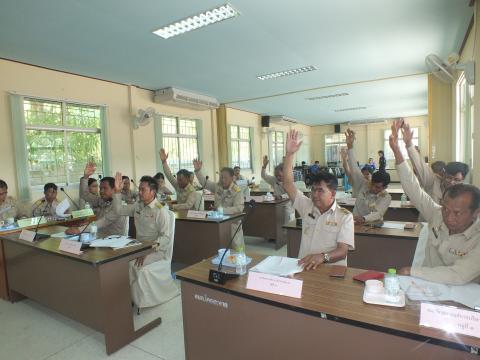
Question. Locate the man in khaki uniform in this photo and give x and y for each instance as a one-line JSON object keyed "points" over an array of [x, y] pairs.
{"points": [[327, 229], [373, 199], [433, 184], [46, 206], [150, 276], [128, 195], [227, 196], [186, 194], [8, 205], [276, 182], [108, 222], [452, 249]]}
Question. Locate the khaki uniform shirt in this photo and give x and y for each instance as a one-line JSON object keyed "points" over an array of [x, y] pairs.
{"points": [[151, 223], [41, 207], [371, 206], [108, 222], [9, 209], [129, 196], [449, 259], [322, 232], [231, 199], [429, 181], [186, 197], [279, 191]]}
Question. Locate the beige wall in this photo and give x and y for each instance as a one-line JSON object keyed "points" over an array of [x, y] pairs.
{"points": [[124, 142], [476, 132]]}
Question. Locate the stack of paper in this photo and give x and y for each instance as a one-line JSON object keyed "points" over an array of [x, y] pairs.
{"points": [[393, 225], [278, 265], [114, 242]]}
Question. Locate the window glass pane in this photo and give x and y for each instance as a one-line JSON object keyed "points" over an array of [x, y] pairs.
{"points": [[188, 152], [244, 133], [235, 158], [46, 159], [81, 116], [83, 147], [234, 132], [170, 144], [169, 125], [280, 136], [188, 127], [40, 112], [245, 155]]}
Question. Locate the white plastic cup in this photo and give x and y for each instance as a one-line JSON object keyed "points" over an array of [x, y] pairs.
{"points": [[85, 237]]}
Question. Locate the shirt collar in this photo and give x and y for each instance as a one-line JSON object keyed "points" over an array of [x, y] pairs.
{"points": [[472, 230]]}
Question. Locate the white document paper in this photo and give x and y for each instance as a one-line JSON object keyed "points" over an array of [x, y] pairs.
{"points": [[278, 265], [62, 207], [393, 225], [112, 242], [418, 289]]}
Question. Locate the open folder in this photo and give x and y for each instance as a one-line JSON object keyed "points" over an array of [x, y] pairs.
{"points": [[278, 265]]}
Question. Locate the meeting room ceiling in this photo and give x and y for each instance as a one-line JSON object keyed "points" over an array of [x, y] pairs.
{"points": [[369, 54]]}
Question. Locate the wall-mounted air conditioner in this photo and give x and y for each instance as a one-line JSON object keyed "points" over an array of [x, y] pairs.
{"points": [[186, 99], [282, 120]]}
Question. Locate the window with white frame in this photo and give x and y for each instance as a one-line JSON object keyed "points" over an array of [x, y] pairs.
{"points": [[277, 147], [241, 147], [333, 145], [464, 121], [60, 138], [386, 146], [180, 141]]}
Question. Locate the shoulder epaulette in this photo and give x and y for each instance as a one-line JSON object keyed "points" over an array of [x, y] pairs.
{"points": [[159, 205], [343, 210], [236, 188]]}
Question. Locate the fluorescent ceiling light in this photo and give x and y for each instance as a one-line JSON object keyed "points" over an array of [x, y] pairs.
{"points": [[327, 96], [286, 73], [198, 21], [351, 109]]}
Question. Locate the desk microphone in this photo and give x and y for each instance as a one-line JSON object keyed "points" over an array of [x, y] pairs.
{"points": [[100, 177], [37, 235], [203, 187], [221, 277], [68, 196], [134, 184]]}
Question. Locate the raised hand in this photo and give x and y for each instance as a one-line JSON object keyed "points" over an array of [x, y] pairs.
{"points": [[118, 182], [265, 161], [163, 155], [393, 138], [407, 133], [292, 144], [350, 138], [89, 169], [197, 164]]}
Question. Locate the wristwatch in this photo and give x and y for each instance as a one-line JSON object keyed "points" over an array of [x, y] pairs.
{"points": [[326, 258]]}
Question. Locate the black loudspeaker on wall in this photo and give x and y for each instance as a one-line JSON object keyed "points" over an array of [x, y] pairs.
{"points": [[265, 121], [337, 128]]}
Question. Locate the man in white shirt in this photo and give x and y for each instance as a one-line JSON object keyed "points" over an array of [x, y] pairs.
{"points": [[327, 229]]}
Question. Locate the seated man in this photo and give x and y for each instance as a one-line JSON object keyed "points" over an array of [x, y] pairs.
{"points": [[108, 222], [373, 199], [162, 189], [327, 229], [236, 174], [186, 195], [276, 182], [46, 206], [452, 249], [153, 223], [92, 189], [9, 208], [433, 184], [128, 195], [227, 196]]}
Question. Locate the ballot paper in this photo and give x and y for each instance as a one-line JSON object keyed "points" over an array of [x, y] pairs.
{"points": [[278, 265], [418, 289], [113, 242], [62, 207], [393, 225]]}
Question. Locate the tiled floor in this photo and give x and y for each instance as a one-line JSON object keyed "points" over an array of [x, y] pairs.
{"points": [[30, 331]]}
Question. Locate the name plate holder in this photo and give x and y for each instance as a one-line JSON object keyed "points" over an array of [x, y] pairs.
{"points": [[197, 214], [274, 284], [82, 213], [450, 319], [27, 235], [31, 221], [69, 246]]}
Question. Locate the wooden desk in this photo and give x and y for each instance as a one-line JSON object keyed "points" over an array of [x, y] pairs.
{"points": [[330, 321], [395, 212], [396, 193], [266, 221], [3, 273], [375, 248], [198, 239], [92, 288]]}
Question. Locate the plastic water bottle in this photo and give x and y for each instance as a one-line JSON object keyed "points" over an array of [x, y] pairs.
{"points": [[87, 205], [93, 231], [241, 263], [392, 286], [403, 200], [220, 211]]}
